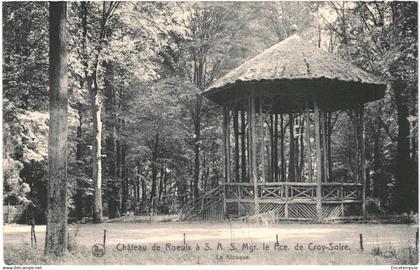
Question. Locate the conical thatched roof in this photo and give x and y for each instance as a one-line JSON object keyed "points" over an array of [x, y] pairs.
{"points": [[292, 70]]}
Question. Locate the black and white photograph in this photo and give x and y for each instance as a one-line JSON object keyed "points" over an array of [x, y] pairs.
{"points": [[210, 133]]}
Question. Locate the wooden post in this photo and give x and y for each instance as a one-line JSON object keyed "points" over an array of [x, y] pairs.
{"points": [[308, 140], [324, 144], [318, 161], [243, 148], [357, 146], [253, 146], [104, 237], [228, 167], [341, 196], [286, 205], [248, 142], [270, 151], [362, 157], [236, 149], [226, 160], [262, 142], [275, 151]]}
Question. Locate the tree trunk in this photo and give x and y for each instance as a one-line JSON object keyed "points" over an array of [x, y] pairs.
{"points": [[124, 179], [406, 171], [79, 192], [110, 141], [292, 150], [302, 151], [165, 193], [154, 169], [118, 185], [197, 132], [329, 131], [57, 211], [308, 140], [162, 179], [96, 106], [143, 190], [136, 186], [282, 163]]}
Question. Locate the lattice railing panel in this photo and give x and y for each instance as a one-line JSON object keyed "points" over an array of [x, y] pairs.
{"points": [[278, 209], [246, 192], [302, 192], [272, 192], [302, 211], [352, 193], [332, 210], [332, 193]]}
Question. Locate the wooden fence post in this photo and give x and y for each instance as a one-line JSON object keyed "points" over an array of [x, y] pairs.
{"points": [[363, 160], [104, 237]]}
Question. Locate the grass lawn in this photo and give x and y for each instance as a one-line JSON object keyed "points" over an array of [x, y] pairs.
{"points": [[252, 244]]}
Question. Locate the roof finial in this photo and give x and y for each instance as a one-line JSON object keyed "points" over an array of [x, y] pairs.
{"points": [[293, 29]]}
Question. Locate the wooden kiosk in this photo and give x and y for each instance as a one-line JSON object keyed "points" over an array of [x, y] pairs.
{"points": [[300, 80]]}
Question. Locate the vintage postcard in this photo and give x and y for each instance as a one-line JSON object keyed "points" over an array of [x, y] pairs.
{"points": [[210, 133]]}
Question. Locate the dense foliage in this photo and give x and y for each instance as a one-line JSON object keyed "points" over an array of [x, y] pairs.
{"points": [[142, 65]]}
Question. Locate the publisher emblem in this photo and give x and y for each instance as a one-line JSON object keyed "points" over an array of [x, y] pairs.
{"points": [[98, 250]]}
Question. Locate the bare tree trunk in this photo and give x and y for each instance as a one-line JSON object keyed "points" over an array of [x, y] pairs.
{"points": [[197, 132], [110, 106], [379, 186], [124, 179], [118, 150], [302, 152], [143, 190], [154, 169], [96, 105], [282, 164], [79, 193], [329, 131], [406, 169], [292, 150], [57, 211], [162, 178]]}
